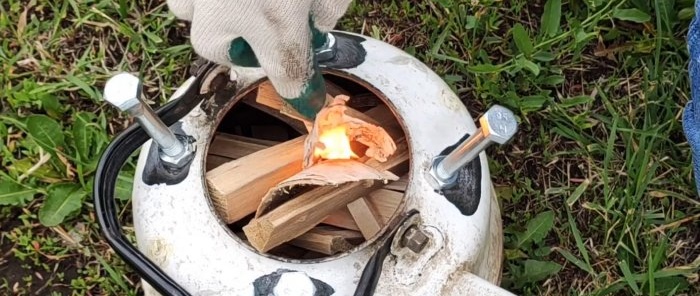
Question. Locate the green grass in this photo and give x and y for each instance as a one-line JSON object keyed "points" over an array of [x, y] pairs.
{"points": [[596, 188]]}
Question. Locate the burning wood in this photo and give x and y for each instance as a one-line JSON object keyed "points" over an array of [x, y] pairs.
{"points": [[333, 131]]}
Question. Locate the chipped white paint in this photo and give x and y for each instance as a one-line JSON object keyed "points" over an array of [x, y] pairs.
{"points": [[294, 284], [177, 227]]}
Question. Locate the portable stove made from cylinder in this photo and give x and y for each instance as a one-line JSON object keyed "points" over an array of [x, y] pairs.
{"points": [[446, 238]]}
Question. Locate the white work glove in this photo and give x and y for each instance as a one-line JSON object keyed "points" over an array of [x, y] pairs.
{"points": [[273, 34]]}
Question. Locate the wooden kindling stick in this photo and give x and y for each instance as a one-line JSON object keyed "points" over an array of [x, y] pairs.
{"points": [[238, 186], [365, 216], [384, 201], [327, 240], [226, 147]]}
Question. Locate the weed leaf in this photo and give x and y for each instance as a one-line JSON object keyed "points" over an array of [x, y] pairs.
{"points": [[544, 56], [82, 135], [12, 194], [575, 260], [112, 273], [522, 40], [575, 101], [62, 200], [485, 68], [46, 132], [125, 183], [632, 15], [3, 133], [52, 106], [553, 80], [532, 103], [686, 13], [537, 228], [624, 266], [578, 192], [83, 86], [551, 17], [529, 65], [535, 270]]}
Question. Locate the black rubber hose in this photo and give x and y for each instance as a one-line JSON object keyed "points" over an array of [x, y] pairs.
{"points": [[373, 269], [114, 157]]}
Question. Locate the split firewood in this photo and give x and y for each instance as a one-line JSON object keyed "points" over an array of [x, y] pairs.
{"points": [[384, 201], [365, 217], [327, 240], [214, 161], [298, 123], [227, 147], [237, 187], [398, 185], [289, 251], [233, 146], [267, 96], [300, 214], [333, 121], [383, 117]]}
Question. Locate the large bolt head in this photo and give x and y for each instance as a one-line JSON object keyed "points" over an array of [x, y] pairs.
{"points": [[498, 124], [123, 91]]}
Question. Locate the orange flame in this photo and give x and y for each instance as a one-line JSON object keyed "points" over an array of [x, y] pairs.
{"points": [[336, 145]]}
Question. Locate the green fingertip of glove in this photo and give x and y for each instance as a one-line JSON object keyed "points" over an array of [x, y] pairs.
{"points": [[241, 54], [312, 99], [318, 39]]}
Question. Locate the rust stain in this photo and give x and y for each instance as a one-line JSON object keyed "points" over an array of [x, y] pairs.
{"points": [[159, 251]]}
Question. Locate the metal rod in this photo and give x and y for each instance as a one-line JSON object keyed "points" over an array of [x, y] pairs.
{"points": [[159, 132], [124, 92], [464, 153]]}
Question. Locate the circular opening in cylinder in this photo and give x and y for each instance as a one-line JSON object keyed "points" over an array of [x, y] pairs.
{"points": [[256, 146]]}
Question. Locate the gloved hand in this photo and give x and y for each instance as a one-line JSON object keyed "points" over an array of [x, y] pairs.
{"points": [[691, 114], [277, 35]]}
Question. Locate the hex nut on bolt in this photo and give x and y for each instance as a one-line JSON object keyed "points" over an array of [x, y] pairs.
{"points": [[414, 239]]}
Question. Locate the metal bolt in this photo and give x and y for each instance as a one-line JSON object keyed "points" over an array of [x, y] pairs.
{"points": [[498, 125], [124, 92], [414, 239]]}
